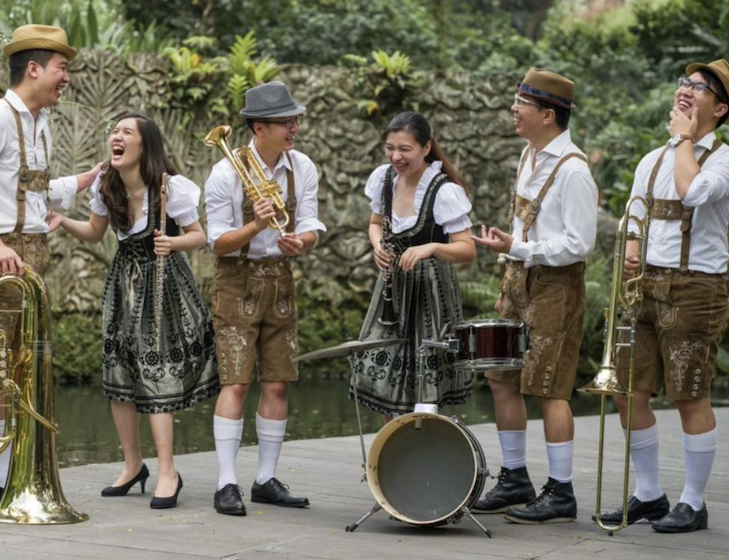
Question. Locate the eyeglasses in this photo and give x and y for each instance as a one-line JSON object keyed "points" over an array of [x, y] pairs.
{"points": [[288, 123], [697, 87], [520, 101]]}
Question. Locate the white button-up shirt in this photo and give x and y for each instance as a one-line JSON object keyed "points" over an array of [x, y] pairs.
{"points": [[566, 226], [62, 191], [224, 201], [708, 193]]}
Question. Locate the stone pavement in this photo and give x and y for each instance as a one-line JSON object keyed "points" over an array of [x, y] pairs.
{"points": [[328, 471]]}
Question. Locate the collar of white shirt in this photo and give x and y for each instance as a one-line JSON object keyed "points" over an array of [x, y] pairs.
{"points": [[18, 104], [282, 160], [707, 141]]}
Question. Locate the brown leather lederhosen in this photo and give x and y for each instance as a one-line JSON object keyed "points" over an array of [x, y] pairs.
{"points": [[254, 310], [673, 209], [556, 321]]}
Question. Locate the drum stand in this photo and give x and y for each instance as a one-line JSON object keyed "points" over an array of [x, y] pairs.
{"points": [[452, 346]]}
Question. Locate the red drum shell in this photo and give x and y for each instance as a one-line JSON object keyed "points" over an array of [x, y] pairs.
{"points": [[491, 344]]}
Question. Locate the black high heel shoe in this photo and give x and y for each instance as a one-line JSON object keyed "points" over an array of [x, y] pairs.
{"points": [[114, 491], [169, 501]]}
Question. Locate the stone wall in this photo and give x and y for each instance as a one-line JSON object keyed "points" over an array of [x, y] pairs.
{"points": [[469, 116]]}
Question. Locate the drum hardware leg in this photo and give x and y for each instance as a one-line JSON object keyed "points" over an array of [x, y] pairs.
{"points": [[467, 512], [359, 422], [353, 527]]}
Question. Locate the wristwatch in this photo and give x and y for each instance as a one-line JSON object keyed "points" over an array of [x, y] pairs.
{"points": [[678, 138]]}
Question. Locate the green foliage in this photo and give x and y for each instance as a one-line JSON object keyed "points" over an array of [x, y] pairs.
{"points": [[387, 84], [76, 347]]}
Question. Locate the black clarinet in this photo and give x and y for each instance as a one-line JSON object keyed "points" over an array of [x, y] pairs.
{"points": [[389, 309]]}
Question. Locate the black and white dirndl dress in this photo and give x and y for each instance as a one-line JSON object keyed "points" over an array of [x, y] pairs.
{"points": [[429, 303], [183, 371]]}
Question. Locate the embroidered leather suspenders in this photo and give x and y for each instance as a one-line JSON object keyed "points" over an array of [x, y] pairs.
{"points": [[672, 209], [35, 181], [527, 210]]}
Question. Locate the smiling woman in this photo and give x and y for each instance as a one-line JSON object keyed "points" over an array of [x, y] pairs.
{"points": [[419, 228], [149, 368]]}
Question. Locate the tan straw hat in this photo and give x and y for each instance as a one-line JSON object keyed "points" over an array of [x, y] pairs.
{"points": [[720, 69], [28, 37], [549, 87]]}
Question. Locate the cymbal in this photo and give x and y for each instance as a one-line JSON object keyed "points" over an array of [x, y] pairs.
{"points": [[347, 348]]}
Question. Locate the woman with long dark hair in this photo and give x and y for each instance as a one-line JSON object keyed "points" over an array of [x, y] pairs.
{"points": [[419, 228], [139, 376]]}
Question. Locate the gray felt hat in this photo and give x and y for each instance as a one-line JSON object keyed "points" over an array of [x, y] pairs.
{"points": [[269, 101]]}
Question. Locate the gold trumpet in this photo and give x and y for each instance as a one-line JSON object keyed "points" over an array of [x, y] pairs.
{"points": [[625, 298], [266, 188], [33, 494]]}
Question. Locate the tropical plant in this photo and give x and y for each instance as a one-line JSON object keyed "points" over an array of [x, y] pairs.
{"points": [[387, 83]]}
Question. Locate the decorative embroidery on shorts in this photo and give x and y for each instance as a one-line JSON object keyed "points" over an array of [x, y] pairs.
{"points": [[679, 357], [250, 304], [538, 344], [233, 345], [282, 306]]}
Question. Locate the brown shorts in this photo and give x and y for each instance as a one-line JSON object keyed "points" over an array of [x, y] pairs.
{"points": [[551, 301], [680, 324], [33, 249], [255, 320]]}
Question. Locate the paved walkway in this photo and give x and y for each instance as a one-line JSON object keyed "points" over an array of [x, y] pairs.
{"points": [[328, 471]]}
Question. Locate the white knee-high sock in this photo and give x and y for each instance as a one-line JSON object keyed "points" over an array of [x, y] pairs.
{"points": [[513, 448], [644, 448], [560, 460], [271, 434], [4, 458], [228, 434], [699, 451]]}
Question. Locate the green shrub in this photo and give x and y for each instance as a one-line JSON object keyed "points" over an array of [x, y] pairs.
{"points": [[77, 346]]}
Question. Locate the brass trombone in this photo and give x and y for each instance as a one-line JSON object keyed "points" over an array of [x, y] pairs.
{"points": [[625, 297], [266, 188], [33, 494]]}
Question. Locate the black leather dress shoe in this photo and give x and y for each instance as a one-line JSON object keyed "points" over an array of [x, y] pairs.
{"points": [[556, 504], [514, 488], [273, 492], [637, 510], [123, 490], [229, 500], [683, 519], [168, 501]]}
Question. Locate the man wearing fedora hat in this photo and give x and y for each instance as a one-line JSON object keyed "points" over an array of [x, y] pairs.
{"points": [[554, 222], [684, 310], [38, 57], [254, 309]]}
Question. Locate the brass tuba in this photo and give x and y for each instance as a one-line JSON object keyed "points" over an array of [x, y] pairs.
{"points": [[266, 188], [33, 494], [625, 297]]}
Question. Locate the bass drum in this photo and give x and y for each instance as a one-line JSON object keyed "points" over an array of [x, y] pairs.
{"points": [[424, 469]]}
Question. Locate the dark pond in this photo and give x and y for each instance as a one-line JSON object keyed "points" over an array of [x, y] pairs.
{"points": [[319, 408]]}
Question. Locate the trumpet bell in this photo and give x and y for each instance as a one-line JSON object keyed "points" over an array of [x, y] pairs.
{"points": [[606, 382]]}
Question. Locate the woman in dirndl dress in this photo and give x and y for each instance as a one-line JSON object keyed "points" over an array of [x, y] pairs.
{"points": [[419, 227], [138, 376]]}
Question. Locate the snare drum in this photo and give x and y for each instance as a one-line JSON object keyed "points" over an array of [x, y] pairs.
{"points": [[425, 468], [491, 345]]}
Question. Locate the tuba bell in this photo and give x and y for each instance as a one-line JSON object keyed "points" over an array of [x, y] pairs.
{"points": [[625, 299], [266, 188], [33, 493]]}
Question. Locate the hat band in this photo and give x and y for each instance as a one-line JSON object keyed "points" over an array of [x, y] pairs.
{"points": [[271, 109], [529, 90]]}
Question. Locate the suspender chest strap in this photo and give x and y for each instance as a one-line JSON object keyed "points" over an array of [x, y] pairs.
{"points": [[527, 210], [36, 180], [672, 209]]}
